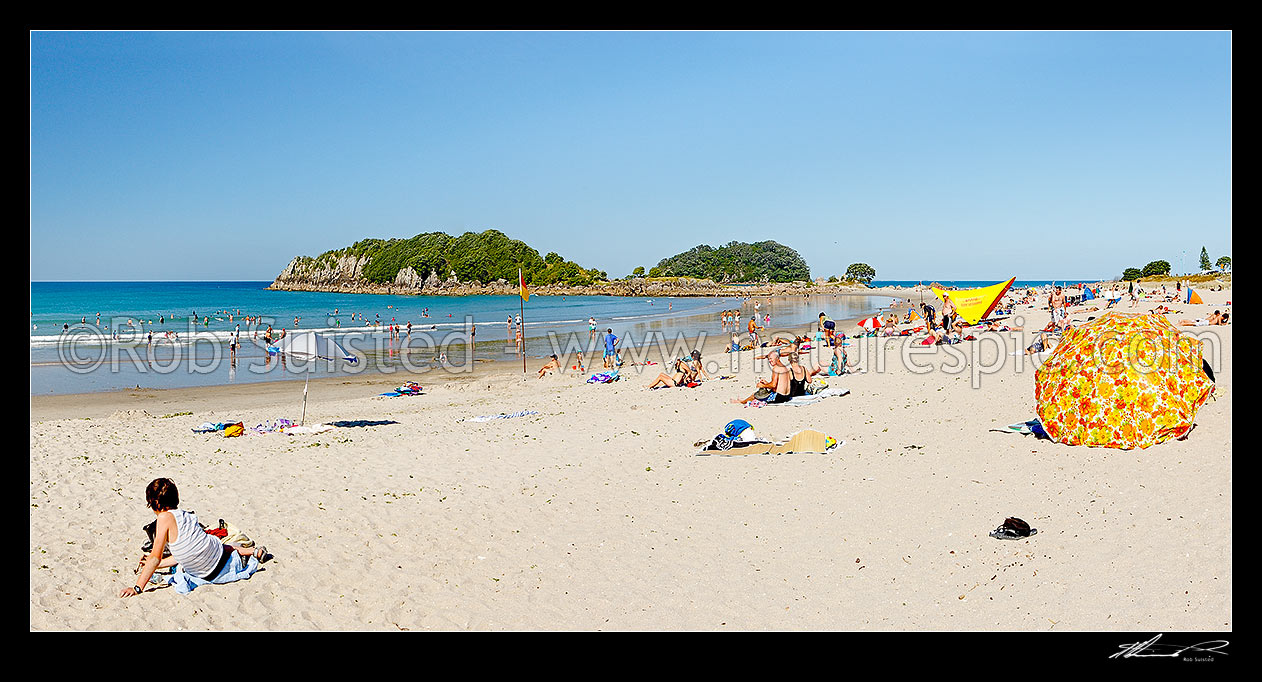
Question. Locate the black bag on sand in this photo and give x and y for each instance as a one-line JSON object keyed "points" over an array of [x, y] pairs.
{"points": [[1013, 529]]}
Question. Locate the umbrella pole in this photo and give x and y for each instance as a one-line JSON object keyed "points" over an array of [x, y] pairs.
{"points": [[304, 399]]}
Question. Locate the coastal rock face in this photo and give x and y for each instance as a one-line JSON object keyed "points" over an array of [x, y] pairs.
{"points": [[345, 275]]}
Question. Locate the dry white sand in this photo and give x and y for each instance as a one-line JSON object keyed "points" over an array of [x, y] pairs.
{"points": [[596, 515]]}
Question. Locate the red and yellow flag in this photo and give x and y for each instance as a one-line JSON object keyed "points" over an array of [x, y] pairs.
{"points": [[521, 279]]}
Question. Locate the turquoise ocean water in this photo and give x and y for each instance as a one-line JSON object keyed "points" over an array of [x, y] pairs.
{"points": [[72, 353]]}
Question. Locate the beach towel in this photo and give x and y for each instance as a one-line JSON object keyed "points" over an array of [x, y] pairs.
{"points": [[491, 417], [803, 442], [232, 571], [603, 377], [207, 427], [308, 430], [808, 399]]}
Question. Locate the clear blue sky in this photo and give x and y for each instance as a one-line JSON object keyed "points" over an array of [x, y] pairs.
{"points": [[160, 156]]}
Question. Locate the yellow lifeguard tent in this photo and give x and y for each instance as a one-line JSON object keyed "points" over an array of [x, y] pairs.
{"points": [[975, 304]]}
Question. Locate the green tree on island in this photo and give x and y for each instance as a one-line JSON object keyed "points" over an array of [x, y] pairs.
{"points": [[1205, 263], [861, 272], [484, 257], [765, 261], [638, 271]]}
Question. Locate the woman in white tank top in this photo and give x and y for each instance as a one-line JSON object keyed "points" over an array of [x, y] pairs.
{"points": [[201, 554]]}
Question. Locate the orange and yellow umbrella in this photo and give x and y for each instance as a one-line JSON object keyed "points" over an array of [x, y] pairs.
{"points": [[1121, 381]]}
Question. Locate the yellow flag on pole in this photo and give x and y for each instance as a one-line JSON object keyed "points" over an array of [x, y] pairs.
{"points": [[521, 279]]}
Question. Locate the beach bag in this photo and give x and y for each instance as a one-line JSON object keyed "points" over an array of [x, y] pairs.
{"points": [[737, 430], [234, 430], [234, 536], [815, 386], [736, 427]]}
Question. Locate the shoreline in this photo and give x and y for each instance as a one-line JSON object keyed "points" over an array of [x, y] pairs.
{"points": [[491, 351]]}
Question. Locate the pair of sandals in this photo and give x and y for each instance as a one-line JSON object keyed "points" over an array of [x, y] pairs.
{"points": [[1013, 529]]}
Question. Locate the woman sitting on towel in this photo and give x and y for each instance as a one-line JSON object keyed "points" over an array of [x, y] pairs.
{"points": [[680, 376], [798, 376], [201, 554]]}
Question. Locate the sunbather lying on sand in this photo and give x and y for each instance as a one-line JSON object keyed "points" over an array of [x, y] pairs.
{"points": [[1042, 342], [201, 554], [1215, 319]]}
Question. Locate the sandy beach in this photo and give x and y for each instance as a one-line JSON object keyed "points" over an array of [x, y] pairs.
{"points": [[595, 514]]}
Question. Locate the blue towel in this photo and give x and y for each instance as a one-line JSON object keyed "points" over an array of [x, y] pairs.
{"points": [[232, 571]]}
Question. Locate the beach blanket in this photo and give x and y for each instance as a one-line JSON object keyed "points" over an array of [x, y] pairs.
{"points": [[207, 427], [603, 377], [803, 442], [491, 417], [233, 571], [308, 430], [809, 399]]}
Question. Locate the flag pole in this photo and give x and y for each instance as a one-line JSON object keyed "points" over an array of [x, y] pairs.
{"points": [[521, 302]]}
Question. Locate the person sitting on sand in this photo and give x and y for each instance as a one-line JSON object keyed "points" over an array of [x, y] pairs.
{"points": [[200, 554], [798, 376], [735, 346], [698, 368], [835, 367], [678, 378], [552, 365], [774, 390]]}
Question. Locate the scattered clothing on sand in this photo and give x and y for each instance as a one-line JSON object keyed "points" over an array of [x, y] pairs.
{"points": [[409, 388]]}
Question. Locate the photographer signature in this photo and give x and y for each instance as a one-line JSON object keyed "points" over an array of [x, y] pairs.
{"points": [[1137, 649]]}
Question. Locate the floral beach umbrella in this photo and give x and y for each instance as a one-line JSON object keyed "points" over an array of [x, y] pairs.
{"points": [[1121, 381]]}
